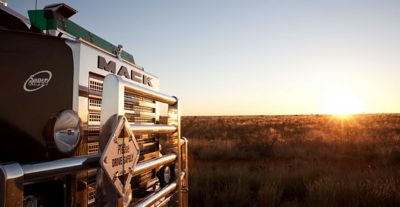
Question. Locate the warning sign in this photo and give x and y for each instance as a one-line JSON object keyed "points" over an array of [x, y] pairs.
{"points": [[120, 156]]}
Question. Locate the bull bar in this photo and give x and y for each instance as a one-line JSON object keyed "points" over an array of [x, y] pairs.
{"points": [[13, 175]]}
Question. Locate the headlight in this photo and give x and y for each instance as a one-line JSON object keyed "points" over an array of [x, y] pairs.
{"points": [[66, 131]]}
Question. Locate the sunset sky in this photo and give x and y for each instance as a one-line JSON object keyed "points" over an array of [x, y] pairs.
{"points": [[230, 57]]}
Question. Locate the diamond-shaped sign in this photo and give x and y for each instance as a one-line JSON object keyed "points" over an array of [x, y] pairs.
{"points": [[120, 156]]}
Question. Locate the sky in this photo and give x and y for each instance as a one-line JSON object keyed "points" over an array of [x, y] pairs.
{"points": [[248, 57]]}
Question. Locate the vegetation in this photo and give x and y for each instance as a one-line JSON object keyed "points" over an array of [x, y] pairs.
{"points": [[311, 160]]}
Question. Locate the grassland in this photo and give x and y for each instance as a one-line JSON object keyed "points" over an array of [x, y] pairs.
{"points": [[310, 160]]}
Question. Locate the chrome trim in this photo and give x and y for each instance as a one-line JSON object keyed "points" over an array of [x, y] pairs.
{"points": [[60, 167], [157, 196], [164, 202], [148, 165], [158, 128], [136, 88], [11, 185], [113, 101], [186, 169], [174, 118], [183, 175]]}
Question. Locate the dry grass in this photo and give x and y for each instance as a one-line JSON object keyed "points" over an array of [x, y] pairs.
{"points": [[294, 160]]}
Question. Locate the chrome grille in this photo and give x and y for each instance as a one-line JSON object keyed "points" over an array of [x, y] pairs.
{"points": [[94, 118], [133, 107], [138, 110], [93, 148], [91, 193], [94, 104], [135, 118], [93, 132], [95, 85], [131, 95]]}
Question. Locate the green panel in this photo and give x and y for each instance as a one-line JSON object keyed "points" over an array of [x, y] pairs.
{"points": [[39, 20], [46, 20]]}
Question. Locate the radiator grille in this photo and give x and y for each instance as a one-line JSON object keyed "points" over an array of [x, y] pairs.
{"points": [[135, 118], [94, 118], [93, 131], [93, 148], [95, 85], [133, 107], [94, 103], [138, 98], [91, 193], [138, 110]]}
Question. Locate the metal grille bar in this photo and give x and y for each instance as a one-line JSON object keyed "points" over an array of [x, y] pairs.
{"points": [[59, 167], [155, 95], [158, 128], [157, 196], [76, 164], [148, 165]]}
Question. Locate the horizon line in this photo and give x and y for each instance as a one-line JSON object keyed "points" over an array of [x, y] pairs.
{"points": [[382, 113]]}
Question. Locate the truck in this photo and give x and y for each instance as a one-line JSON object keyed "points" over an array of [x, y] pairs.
{"points": [[81, 123]]}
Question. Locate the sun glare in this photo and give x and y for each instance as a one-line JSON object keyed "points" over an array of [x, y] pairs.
{"points": [[342, 104]]}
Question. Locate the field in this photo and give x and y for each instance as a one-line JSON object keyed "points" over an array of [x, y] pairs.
{"points": [[313, 160]]}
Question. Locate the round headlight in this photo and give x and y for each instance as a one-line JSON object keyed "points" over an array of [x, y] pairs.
{"points": [[66, 133]]}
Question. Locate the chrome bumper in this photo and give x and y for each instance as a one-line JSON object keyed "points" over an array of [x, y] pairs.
{"points": [[13, 176]]}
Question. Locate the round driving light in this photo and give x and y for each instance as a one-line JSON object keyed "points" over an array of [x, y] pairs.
{"points": [[30, 201], [67, 131], [167, 174]]}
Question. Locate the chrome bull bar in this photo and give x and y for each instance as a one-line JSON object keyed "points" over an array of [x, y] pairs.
{"points": [[113, 104], [13, 176]]}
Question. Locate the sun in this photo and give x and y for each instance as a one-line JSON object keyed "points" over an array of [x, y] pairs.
{"points": [[342, 104]]}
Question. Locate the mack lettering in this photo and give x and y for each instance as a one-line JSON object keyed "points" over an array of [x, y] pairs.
{"points": [[123, 71]]}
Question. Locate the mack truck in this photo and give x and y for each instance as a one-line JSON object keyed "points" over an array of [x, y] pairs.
{"points": [[81, 123]]}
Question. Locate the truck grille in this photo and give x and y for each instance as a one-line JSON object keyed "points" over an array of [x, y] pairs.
{"points": [[94, 118], [138, 110], [95, 85], [94, 104], [93, 148], [91, 193]]}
